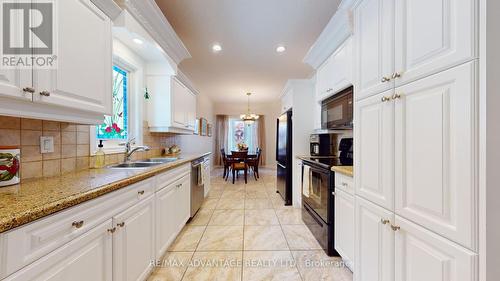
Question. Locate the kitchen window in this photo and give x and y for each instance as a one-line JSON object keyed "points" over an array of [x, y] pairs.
{"points": [[239, 132]]}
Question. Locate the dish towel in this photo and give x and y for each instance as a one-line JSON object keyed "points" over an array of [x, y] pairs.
{"points": [[305, 180]]}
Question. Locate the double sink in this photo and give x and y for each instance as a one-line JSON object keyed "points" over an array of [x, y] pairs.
{"points": [[144, 164]]}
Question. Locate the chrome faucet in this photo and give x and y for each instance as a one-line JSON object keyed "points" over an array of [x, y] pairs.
{"points": [[129, 151]]}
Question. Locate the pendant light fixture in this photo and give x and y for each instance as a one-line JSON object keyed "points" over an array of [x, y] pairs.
{"points": [[249, 118]]}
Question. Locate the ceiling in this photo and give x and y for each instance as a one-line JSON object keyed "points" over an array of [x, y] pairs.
{"points": [[249, 32]]}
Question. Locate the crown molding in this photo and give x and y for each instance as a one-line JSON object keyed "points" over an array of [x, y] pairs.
{"points": [[109, 7], [338, 29], [149, 15], [186, 81]]}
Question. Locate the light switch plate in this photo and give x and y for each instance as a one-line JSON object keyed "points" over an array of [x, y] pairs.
{"points": [[46, 144]]}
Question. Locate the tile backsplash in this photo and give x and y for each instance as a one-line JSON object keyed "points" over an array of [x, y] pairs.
{"points": [[71, 146]]}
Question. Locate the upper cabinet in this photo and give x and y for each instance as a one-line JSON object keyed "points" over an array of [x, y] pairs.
{"points": [[78, 88], [172, 105], [397, 42], [335, 74]]}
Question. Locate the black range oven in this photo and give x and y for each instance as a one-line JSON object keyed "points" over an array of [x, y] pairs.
{"points": [[318, 201]]}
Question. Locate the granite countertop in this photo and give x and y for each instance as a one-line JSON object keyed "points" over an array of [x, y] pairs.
{"points": [[346, 170], [34, 199]]}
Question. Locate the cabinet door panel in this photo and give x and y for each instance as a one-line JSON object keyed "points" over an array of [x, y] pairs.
{"points": [[184, 203], [344, 226], [374, 244], [423, 255], [432, 35], [178, 104], [374, 41], [435, 153], [82, 79], [133, 242], [166, 218], [88, 257], [12, 82], [374, 157]]}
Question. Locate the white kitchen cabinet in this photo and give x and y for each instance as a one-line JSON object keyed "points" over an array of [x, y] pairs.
{"points": [[87, 257], [374, 247], [173, 208], [374, 146], [423, 255], [374, 47], [133, 241], [79, 88], [432, 35], [435, 153], [172, 106], [344, 226], [336, 72]]}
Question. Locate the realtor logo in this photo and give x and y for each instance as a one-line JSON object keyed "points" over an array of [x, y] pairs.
{"points": [[28, 34]]}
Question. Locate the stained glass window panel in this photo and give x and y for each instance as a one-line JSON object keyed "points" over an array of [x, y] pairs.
{"points": [[115, 126]]}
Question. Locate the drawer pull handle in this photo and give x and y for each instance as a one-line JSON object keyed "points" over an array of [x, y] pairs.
{"points": [[396, 75], [344, 184], [45, 93], [385, 79], [77, 224], [112, 230], [383, 221], [384, 99], [395, 227], [122, 224], [141, 192], [179, 185]]}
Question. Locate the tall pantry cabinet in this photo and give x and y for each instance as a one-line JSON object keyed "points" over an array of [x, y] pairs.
{"points": [[415, 140]]}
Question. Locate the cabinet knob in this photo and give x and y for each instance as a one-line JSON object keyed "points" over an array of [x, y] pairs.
{"points": [[396, 75], [77, 224], [344, 184], [384, 221], [28, 90], [179, 185], [45, 93], [112, 230], [384, 99], [334, 193], [140, 192], [395, 227], [122, 224], [396, 96], [385, 79]]}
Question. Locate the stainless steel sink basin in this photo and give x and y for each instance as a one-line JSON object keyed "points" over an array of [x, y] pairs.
{"points": [[135, 165], [160, 160]]}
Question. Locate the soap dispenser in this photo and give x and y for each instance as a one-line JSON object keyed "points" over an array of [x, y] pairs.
{"points": [[99, 156]]}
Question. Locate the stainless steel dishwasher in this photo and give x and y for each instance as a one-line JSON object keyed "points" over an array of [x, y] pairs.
{"points": [[197, 185]]}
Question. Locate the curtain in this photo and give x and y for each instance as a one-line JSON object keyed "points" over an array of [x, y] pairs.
{"points": [[261, 138], [221, 131]]}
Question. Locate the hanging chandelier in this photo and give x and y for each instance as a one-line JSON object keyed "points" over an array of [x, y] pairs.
{"points": [[248, 117]]}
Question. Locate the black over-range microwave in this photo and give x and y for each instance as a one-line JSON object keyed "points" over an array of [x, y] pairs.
{"points": [[337, 111]]}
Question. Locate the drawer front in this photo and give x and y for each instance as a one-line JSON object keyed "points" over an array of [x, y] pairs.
{"points": [[344, 183], [28, 243], [167, 178]]}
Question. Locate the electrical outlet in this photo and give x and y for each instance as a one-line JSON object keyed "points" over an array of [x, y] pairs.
{"points": [[46, 144]]}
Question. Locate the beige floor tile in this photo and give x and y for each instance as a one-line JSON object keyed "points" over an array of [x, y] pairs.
{"points": [[261, 194], [290, 216], [220, 238], [216, 266], [171, 267], [261, 217], [233, 194], [188, 239], [264, 237], [231, 203], [202, 217], [316, 265], [214, 193], [300, 238], [269, 266], [258, 204], [227, 217], [210, 203]]}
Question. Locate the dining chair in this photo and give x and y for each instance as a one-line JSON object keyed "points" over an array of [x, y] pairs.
{"points": [[226, 163], [239, 159], [254, 163]]}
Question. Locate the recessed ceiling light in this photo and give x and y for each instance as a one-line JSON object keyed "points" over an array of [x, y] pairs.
{"points": [[280, 49], [138, 41], [216, 48]]}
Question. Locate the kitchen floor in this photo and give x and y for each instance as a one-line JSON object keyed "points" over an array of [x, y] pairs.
{"points": [[243, 232]]}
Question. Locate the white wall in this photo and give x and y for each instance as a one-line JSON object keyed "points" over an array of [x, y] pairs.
{"points": [[270, 110], [200, 144]]}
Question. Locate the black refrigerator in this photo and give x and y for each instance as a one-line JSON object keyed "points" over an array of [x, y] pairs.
{"points": [[284, 157]]}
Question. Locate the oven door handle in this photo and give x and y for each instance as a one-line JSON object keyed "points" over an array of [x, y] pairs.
{"points": [[313, 216]]}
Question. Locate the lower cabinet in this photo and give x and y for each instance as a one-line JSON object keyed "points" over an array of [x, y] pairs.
{"points": [[389, 247], [133, 241], [344, 226], [173, 208], [87, 257]]}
